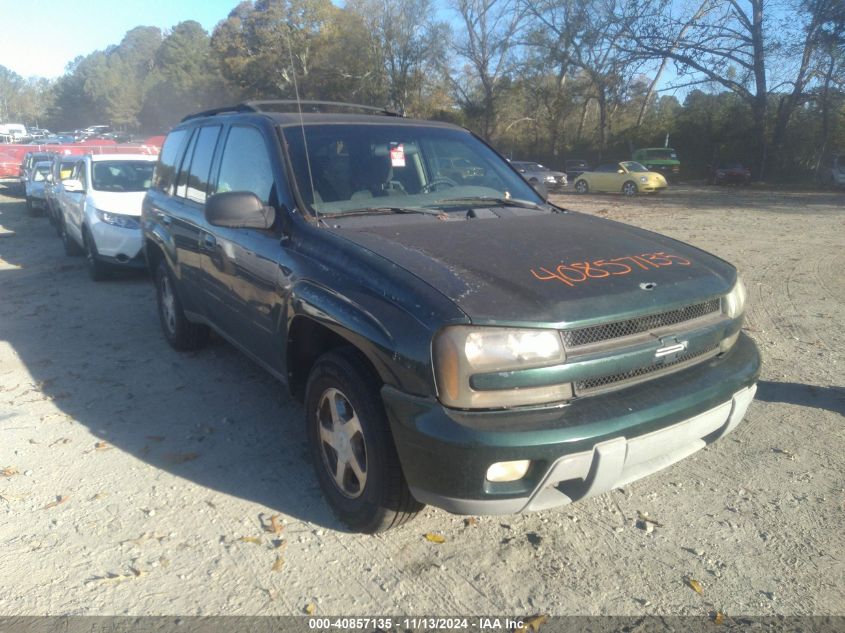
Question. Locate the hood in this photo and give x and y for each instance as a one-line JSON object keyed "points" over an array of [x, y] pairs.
{"points": [[564, 269], [123, 202]]}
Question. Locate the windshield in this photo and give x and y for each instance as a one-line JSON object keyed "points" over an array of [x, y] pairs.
{"points": [[662, 154], [123, 175], [357, 167], [634, 166]]}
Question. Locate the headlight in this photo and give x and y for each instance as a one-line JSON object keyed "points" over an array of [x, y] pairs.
{"points": [[643, 179], [459, 352], [734, 302], [117, 219]]}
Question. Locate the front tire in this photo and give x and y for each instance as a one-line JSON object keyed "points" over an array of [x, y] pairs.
{"points": [[182, 334], [96, 268], [30, 209], [70, 246], [582, 187], [629, 189], [351, 445]]}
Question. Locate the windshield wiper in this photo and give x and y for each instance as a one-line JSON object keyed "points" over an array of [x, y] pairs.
{"points": [[385, 210], [489, 200]]}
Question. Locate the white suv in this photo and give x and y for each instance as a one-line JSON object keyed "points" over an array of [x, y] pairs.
{"points": [[100, 208]]}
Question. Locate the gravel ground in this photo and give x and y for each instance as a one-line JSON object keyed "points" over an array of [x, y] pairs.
{"points": [[143, 481]]}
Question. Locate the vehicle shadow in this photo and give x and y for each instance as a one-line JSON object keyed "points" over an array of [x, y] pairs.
{"points": [[95, 352], [830, 398]]}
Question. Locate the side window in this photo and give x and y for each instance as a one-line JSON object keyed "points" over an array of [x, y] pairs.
{"points": [[201, 163], [182, 179], [245, 165], [165, 172]]}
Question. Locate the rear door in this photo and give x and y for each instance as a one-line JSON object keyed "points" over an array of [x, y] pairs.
{"points": [[74, 202], [240, 267]]}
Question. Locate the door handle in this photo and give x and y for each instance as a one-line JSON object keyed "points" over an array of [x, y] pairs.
{"points": [[209, 241], [166, 220]]}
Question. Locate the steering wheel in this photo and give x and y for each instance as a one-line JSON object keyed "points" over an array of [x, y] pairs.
{"points": [[440, 180]]}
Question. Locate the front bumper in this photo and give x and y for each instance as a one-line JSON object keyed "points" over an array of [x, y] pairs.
{"points": [[117, 245], [590, 446]]}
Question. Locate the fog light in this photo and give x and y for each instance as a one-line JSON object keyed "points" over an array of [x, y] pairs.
{"points": [[508, 471]]}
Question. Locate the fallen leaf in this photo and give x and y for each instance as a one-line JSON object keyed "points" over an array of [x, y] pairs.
{"points": [[9, 471], [532, 624], [310, 608], [275, 526], [435, 538], [785, 453], [98, 496], [255, 540], [61, 440], [719, 618], [470, 521], [110, 577], [180, 458], [277, 566], [60, 499], [695, 585], [137, 572], [102, 446]]}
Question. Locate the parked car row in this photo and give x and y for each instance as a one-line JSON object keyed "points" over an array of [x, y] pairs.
{"points": [[94, 201], [456, 339]]}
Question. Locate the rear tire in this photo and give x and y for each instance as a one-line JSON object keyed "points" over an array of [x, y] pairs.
{"points": [[96, 268], [351, 445], [29, 208], [182, 334]]}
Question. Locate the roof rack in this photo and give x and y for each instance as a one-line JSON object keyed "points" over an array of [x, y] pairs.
{"points": [[289, 105]]}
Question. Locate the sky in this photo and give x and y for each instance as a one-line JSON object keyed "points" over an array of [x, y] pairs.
{"points": [[63, 30]]}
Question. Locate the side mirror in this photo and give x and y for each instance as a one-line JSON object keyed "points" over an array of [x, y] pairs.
{"points": [[72, 186], [239, 210], [49, 178], [620, 171]]}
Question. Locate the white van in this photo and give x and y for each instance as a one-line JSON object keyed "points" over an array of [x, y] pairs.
{"points": [[15, 131]]}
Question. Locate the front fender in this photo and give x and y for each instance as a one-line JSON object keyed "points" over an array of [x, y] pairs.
{"points": [[396, 344]]}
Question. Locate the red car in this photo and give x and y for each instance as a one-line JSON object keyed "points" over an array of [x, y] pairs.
{"points": [[730, 173]]}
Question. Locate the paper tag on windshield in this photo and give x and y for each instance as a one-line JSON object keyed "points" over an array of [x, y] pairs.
{"points": [[397, 154]]}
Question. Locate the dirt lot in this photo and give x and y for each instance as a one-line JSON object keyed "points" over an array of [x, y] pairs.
{"points": [[146, 479]]}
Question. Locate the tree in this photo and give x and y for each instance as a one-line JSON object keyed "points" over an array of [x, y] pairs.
{"points": [[406, 40], [487, 49]]}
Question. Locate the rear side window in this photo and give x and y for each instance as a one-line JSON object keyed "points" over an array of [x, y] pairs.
{"points": [[182, 179], [165, 172], [201, 163], [245, 165]]}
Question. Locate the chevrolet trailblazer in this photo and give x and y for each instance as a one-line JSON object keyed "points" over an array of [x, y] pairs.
{"points": [[456, 339]]}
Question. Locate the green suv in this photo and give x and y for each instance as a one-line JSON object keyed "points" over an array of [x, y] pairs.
{"points": [[456, 339], [663, 160]]}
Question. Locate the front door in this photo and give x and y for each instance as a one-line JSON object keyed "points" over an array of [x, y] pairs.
{"points": [[243, 282]]}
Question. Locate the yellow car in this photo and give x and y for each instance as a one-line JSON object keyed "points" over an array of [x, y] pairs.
{"points": [[629, 177]]}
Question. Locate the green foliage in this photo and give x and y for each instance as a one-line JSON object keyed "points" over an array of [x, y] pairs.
{"points": [[541, 79]]}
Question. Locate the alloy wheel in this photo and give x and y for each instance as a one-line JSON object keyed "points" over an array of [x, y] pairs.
{"points": [[342, 443]]}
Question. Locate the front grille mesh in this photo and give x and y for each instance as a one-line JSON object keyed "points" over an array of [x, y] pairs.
{"points": [[593, 384], [608, 331]]}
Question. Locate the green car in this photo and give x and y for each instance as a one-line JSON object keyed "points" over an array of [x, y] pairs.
{"points": [[663, 160], [456, 339]]}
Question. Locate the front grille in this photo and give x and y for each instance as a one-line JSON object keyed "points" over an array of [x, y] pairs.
{"points": [[638, 325], [590, 385]]}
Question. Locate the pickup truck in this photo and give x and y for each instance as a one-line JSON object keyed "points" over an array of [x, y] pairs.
{"points": [[456, 342]]}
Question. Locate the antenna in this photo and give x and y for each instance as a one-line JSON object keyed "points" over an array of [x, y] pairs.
{"points": [[302, 127]]}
